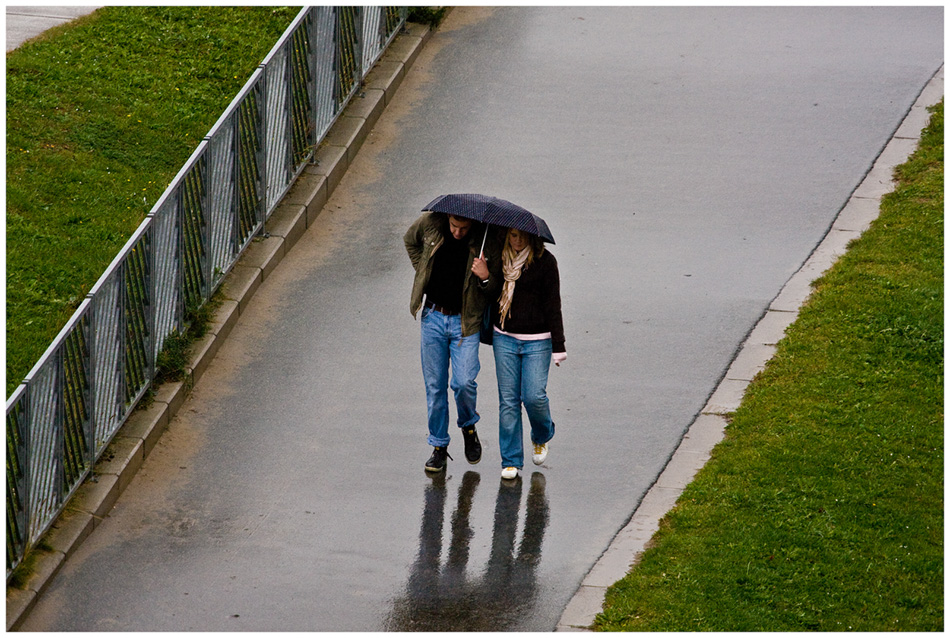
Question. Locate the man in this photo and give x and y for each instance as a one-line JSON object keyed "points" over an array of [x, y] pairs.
{"points": [[458, 284]]}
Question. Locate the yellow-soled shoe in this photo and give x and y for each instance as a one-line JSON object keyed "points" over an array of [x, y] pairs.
{"points": [[540, 453]]}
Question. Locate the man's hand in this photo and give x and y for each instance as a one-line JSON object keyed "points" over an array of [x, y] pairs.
{"points": [[480, 268]]}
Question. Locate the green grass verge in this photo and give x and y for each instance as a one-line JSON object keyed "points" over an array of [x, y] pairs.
{"points": [[101, 115], [823, 507]]}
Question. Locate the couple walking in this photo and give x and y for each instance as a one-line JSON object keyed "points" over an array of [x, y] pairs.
{"points": [[516, 279]]}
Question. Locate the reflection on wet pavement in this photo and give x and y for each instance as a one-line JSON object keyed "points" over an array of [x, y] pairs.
{"points": [[452, 597]]}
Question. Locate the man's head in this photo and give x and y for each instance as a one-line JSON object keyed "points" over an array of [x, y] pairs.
{"points": [[459, 226]]}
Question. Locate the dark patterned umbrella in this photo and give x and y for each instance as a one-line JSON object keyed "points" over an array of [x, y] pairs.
{"points": [[491, 210]]}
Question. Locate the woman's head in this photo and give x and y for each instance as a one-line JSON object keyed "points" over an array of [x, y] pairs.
{"points": [[518, 240]]}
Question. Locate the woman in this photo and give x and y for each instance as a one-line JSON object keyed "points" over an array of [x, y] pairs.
{"points": [[528, 334]]}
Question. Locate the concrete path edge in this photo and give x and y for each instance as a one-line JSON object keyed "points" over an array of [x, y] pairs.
{"points": [[708, 428], [297, 210]]}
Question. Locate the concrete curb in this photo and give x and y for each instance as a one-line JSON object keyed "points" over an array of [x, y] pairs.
{"points": [[708, 428], [296, 211]]}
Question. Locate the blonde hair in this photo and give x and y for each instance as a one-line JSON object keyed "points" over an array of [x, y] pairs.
{"points": [[537, 246]]}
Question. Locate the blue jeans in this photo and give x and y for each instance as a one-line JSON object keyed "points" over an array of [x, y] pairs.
{"points": [[442, 345], [522, 371]]}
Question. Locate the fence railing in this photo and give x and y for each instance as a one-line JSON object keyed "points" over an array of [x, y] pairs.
{"points": [[74, 400]]}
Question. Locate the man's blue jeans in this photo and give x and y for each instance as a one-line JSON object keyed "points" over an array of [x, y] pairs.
{"points": [[442, 345], [522, 371]]}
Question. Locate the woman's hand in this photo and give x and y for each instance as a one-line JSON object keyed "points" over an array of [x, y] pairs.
{"points": [[480, 268], [559, 357]]}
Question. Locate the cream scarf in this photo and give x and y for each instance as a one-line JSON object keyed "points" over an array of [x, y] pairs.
{"points": [[511, 263]]}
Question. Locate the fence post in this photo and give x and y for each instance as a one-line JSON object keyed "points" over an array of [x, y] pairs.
{"points": [[360, 44], [337, 57], [122, 334], [58, 475], [18, 473], [260, 153], [204, 237], [93, 372], [235, 126], [179, 210]]}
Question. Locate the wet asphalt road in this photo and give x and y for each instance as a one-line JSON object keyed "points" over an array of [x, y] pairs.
{"points": [[687, 160]]}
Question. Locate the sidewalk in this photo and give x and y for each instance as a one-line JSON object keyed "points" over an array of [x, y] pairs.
{"points": [[25, 23]]}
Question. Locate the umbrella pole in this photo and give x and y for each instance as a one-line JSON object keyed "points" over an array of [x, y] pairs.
{"points": [[481, 253]]}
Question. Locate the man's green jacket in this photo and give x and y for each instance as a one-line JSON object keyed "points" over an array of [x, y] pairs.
{"points": [[424, 238]]}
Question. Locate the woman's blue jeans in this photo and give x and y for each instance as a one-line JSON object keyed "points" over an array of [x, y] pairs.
{"points": [[522, 371], [443, 345]]}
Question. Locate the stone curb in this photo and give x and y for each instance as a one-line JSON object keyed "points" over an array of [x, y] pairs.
{"points": [[708, 429], [296, 211]]}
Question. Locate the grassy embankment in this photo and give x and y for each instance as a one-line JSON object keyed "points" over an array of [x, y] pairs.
{"points": [[101, 114], [823, 507]]}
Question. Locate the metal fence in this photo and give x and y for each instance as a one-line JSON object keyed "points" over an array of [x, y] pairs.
{"points": [[74, 400]]}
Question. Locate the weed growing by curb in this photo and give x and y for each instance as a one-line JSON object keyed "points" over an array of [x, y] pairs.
{"points": [[430, 16]]}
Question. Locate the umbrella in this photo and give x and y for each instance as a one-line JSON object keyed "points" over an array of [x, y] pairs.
{"points": [[491, 210]]}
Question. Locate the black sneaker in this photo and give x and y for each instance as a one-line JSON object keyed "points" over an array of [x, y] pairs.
{"points": [[473, 448], [436, 462]]}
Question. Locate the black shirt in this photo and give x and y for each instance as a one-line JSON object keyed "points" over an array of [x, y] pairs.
{"points": [[448, 273]]}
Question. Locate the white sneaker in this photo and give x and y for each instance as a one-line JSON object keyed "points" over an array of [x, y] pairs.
{"points": [[540, 453], [509, 473]]}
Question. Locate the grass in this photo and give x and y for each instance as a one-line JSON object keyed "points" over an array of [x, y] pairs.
{"points": [[431, 16], [170, 365], [823, 507], [101, 114], [20, 578]]}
